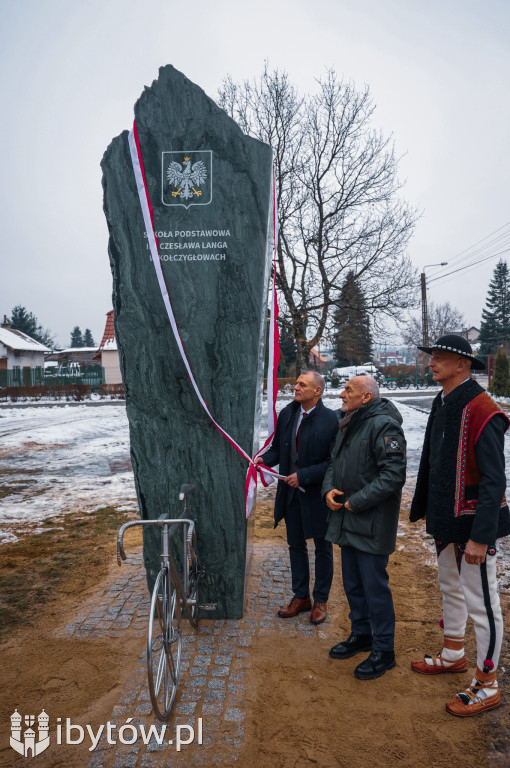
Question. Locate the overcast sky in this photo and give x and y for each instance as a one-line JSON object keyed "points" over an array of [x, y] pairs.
{"points": [[71, 72]]}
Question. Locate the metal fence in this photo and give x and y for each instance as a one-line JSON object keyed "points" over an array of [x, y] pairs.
{"points": [[91, 375]]}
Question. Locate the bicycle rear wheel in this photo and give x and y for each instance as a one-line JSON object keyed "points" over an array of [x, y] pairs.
{"points": [[195, 574], [164, 645]]}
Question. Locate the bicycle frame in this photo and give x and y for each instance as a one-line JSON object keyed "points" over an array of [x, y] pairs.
{"points": [[168, 528]]}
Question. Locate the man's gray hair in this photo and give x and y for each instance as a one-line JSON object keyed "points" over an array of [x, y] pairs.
{"points": [[370, 385], [318, 380]]}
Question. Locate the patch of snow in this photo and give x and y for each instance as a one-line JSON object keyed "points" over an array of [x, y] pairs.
{"points": [[63, 459], [58, 460], [19, 340]]}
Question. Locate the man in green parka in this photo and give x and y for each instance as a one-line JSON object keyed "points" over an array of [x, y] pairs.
{"points": [[362, 488]]}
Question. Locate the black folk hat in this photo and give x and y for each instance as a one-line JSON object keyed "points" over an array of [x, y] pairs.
{"points": [[457, 345]]}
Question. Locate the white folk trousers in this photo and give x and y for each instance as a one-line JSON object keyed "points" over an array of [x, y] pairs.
{"points": [[472, 591]]}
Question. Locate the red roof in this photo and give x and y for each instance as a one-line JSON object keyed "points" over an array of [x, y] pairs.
{"points": [[109, 331], [108, 335], [314, 353]]}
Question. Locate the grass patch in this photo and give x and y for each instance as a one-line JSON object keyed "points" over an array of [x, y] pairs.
{"points": [[10, 485], [33, 571], [20, 471]]}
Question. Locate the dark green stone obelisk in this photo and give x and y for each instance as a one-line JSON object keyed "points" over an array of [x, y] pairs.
{"points": [[210, 189]]}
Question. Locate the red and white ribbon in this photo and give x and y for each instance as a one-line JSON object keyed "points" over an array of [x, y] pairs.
{"points": [[267, 474]]}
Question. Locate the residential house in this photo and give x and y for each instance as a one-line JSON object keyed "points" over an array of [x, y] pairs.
{"points": [[471, 334], [317, 361], [384, 357], [74, 357], [108, 353], [21, 354]]}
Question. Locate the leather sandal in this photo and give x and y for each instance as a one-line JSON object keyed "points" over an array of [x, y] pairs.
{"points": [[437, 665], [474, 700]]}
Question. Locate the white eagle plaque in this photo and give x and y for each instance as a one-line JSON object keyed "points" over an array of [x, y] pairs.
{"points": [[186, 178]]}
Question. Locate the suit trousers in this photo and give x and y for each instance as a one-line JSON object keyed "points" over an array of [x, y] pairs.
{"points": [[366, 586], [299, 564]]}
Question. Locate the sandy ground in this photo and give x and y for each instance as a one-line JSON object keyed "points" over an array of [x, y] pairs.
{"points": [[308, 709], [302, 708], [81, 678]]}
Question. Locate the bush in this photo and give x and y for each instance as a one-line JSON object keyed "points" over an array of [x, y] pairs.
{"points": [[394, 371], [282, 381], [500, 384], [63, 391], [115, 391]]}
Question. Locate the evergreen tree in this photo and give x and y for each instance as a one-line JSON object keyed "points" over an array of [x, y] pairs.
{"points": [[26, 322], [495, 325], [88, 340], [500, 384], [352, 339], [288, 351], [76, 338]]}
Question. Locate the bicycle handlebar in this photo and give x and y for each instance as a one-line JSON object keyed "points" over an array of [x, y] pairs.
{"points": [[121, 555]]}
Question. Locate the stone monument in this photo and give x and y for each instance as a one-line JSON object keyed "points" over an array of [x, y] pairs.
{"points": [[210, 187]]}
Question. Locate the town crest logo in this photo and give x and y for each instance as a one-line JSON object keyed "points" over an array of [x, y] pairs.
{"points": [[186, 178], [27, 744]]}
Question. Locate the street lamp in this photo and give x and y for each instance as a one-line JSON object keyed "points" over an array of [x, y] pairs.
{"points": [[424, 318]]}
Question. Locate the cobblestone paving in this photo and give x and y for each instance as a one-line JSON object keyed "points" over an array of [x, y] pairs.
{"points": [[215, 657], [117, 609]]}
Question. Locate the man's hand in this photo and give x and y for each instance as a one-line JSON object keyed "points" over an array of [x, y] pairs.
{"points": [[475, 553], [292, 480], [258, 460], [330, 499]]}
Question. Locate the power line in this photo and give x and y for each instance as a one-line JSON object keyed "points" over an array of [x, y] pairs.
{"points": [[469, 266], [487, 252], [473, 251]]}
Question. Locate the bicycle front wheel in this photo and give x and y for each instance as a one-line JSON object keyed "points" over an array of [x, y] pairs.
{"points": [[164, 645]]}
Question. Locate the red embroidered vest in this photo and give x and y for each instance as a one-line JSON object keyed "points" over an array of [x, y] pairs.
{"points": [[475, 416]]}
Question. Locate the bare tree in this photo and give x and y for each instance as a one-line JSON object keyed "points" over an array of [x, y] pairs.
{"points": [[339, 209], [442, 319]]}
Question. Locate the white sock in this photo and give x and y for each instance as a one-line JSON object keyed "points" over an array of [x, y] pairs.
{"points": [[449, 654], [485, 693]]}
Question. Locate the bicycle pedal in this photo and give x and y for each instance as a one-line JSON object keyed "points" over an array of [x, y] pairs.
{"points": [[208, 606]]}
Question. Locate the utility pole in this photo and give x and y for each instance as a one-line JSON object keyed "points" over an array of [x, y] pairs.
{"points": [[424, 315], [424, 318]]}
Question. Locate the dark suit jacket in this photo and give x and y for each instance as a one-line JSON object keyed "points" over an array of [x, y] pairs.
{"points": [[316, 438]]}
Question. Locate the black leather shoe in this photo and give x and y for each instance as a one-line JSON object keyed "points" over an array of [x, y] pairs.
{"points": [[375, 666], [355, 644]]}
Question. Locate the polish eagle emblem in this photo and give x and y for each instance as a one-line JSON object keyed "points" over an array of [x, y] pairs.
{"points": [[186, 180]]}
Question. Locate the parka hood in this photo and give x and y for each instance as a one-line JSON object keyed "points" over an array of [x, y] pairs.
{"points": [[379, 407]]}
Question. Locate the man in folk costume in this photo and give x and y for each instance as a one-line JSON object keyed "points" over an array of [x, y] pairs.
{"points": [[461, 491]]}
